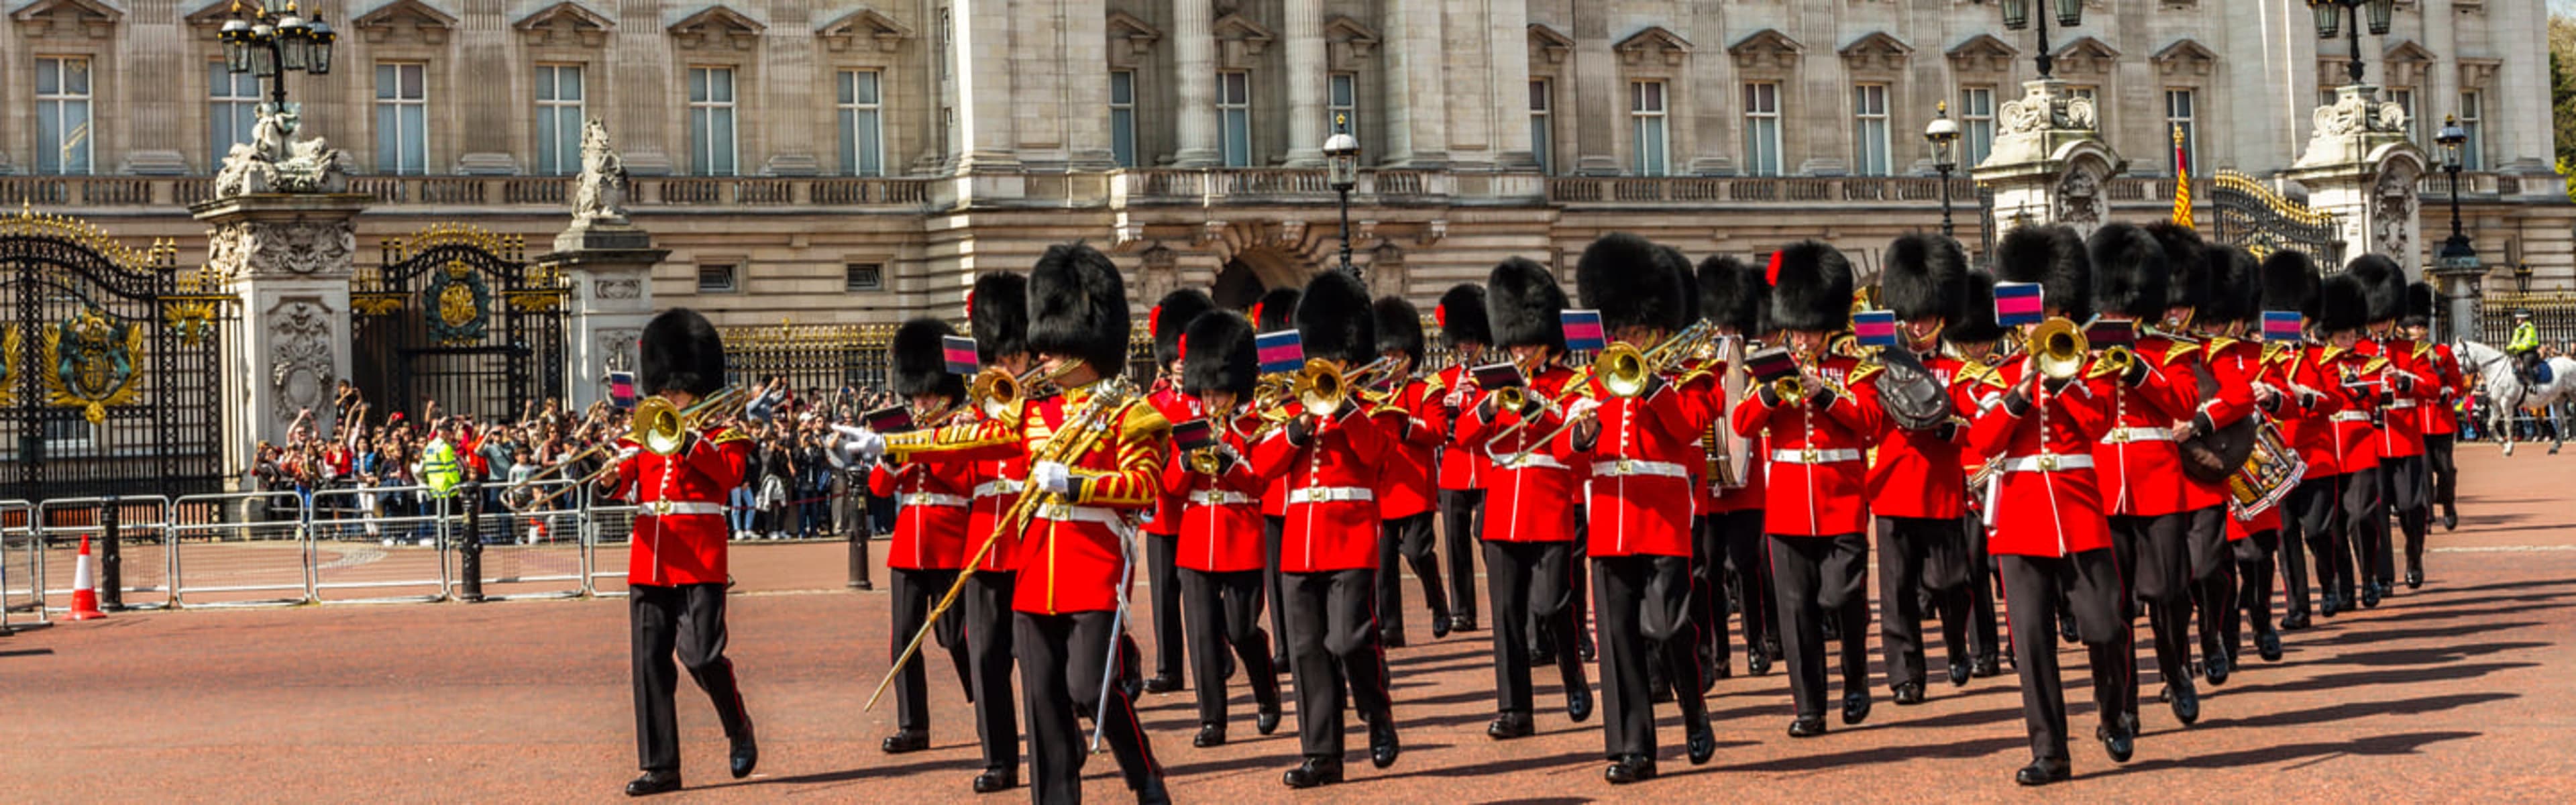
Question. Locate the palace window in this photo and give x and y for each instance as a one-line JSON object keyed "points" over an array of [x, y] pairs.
{"points": [[2473, 154], [1976, 124], [1869, 130], [1540, 104], [862, 114], [864, 277], [402, 118], [1234, 117], [711, 110], [1646, 118], [2180, 107], [62, 115], [559, 119], [1343, 104], [1122, 117], [1762, 128], [233, 105], [717, 278]]}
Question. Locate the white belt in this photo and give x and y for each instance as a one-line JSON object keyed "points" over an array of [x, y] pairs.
{"points": [[1211, 497], [1531, 461], [2120, 435], [2048, 462], [2402, 404], [994, 489], [2350, 416], [1626, 467], [1330, 494], [933, 499], [1069, 513], [1814, 456], [665, 508]]}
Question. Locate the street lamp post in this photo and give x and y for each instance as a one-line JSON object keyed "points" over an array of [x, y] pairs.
{"points": [[274, 43], [2330, 14], [2070, 13], [2457, 262], [1943, 134], [1342, 170]]}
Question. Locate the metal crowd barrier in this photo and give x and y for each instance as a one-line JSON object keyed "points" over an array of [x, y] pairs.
{"points": [[128, 540], [382, 545], [607, 526], [532, 554], [21, 590], [229, 551]]}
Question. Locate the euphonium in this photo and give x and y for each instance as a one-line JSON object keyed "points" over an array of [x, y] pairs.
{"points": [[663, 427], [2059, 347]]}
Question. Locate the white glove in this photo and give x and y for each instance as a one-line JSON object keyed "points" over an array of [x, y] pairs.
{"points": [[628, 452], [1582, 407], [1052, 477], [860, 443]]}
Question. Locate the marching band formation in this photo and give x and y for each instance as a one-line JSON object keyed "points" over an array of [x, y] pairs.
{"points": [[2132, 424]]}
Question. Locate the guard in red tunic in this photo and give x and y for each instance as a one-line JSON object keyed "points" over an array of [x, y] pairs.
{"points": [[1729, 522], [1641, 452], [1276, 312], [1917, 488], [1975, 339], [1406, 405], [676, 571], [2343, 303], [1075, 555], [1463, 328], [2231, 302], [1528, 527], [2441, 427], [1220, 514], [1819, 433], [929, 527], [1328, 545], [2219, 402], [2407, 384], [997, 311], [2305, 414], [2050, 540], [1162, 534]]}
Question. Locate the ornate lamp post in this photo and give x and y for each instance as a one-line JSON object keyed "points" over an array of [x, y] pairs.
{"points": [[2070, 13], [1943, 134], [2330, 15], [1342, 170], [274, 43], [2457, 263]]}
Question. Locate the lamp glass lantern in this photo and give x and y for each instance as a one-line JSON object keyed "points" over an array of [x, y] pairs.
{"points": [[263, 60], [1943, 134], [2070, 13], [292, 38], [2451, 138], [2329, 14], [1342, 160], [236, 38], [2016, 14], [318, 62], [2378, 12]]}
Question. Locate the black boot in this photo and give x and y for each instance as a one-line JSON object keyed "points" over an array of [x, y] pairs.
{"points": [[746, 751], [1314, 772], [654, 782]]}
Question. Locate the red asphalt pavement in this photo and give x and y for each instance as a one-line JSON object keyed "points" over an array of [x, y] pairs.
{"points": [[2456, 692]]}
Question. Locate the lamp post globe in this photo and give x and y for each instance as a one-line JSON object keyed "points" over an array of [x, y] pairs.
{"points": [[1342, 171], [1943, 134]]}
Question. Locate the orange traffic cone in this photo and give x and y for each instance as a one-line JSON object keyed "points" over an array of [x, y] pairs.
{"points": [[84, 587]]}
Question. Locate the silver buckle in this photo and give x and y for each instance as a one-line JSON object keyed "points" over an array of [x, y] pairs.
{"points": [[2047, 463]]}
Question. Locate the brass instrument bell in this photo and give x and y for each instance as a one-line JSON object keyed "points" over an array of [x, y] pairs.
{"points": [[2059, 347]]}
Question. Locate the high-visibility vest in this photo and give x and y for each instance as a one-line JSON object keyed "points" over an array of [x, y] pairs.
{"points": [[2525, 338], [438, 468]]}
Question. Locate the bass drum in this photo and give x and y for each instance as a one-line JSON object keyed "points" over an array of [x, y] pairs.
{"points": [[1730, 457], [2272, 468], [2215, 456]]}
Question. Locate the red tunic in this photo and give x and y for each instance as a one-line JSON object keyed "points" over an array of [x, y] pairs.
{"points": [[1641, 490], [1461, 465], [1404, 484], [2234, 366], [2438, 419], [2136, 461], [679, 536], [2402, 432], [930, 516], [1917, 472], [1220, 516], [997, 488], [1175, 406], [2046, 502], [2356, 437], [2307, 406], [1531, 500], [1332, 481], [1817, 476]]}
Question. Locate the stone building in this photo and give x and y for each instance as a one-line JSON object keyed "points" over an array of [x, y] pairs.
{"points": [[839, 161]]}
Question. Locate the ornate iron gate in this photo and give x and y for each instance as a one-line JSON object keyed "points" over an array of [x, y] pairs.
{"points": [[111, 366], [457, 315], [2252, 216]]}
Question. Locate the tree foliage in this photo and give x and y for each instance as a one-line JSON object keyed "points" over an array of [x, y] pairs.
{"points": [[2562, 93]]}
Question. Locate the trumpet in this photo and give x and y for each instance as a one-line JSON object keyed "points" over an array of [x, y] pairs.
{"points": [[1517, 397], [657, 426], [2059, 347], [1207, 460]]}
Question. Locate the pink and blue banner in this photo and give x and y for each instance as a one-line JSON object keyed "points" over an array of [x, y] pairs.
{"points": [[890, 419], [2018, 303], [2281, 325], [1875, 328], [1583, 330], [959, 353], [1194, 434], [1282, 351]]}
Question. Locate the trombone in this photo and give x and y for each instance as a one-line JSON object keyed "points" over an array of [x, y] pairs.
{"points": [[998, 393], [657, 426], [1625, 370], [2058, 348]]}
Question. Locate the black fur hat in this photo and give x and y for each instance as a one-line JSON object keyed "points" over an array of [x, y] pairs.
{"points": [[2235, 285], [1334, 320], [997, 310], [2419, 306], [1462, 316], [1276, 310], [1399, 327], [2343, 303], [1522, 302], [2130, 273], [1974, 319], [1630, 281], [2290, 282], [2187, 257], [1217, 354], [2053, 256], [1731, 294], [1681, 267], [680, 350], [1921, 276], [1078, 307], [1811, 287], [2385, 283], [920, 361], [1169, 317]]}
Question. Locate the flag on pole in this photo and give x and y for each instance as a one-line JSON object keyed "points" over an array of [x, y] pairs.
{"points": [[2182, 180]]}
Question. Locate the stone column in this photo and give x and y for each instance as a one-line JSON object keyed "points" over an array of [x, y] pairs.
{"points": [[2361, 168], [1194, 57], [1508, 29], [985, 108], [288, 258], [2049, 162], [1592, 93], [611, 271], [1417, 121], [1307, 70]]}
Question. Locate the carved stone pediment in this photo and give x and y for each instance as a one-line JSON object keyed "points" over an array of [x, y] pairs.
{"points": [[1877, 51], [1766, 49], [2185, 58], [717, 26], [2086, 56], [2406, 63], [405, 21], [1130, 37], [1348, 42], [93, 19], [1654, 45], [1547, 43], [1238, 40], [566, 23], [1982, 53], [2479, 73], [865, 23]]}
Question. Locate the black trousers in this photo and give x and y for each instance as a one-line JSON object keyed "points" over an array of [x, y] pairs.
{"points": [[1531, 583], [1224, 612], [1063, 659], [2307, 523], [1982, 581], [2154, 559], [915, 591], [1273, 530], [988, 652], [2402, 488], [1462, 513], [1332, 646], [1818, 577], [1644, 603], [1579, 600], [2254, 571], [1916, 557], [2213, 576], [1749, 550], [1708, 588], [1410, 539], [2089, 585], [2358, 499], [2445, 473], [1165, 587], [689, 620]]}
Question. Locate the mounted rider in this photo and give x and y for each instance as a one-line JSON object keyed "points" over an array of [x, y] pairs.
{"points": [[2525, 348]]}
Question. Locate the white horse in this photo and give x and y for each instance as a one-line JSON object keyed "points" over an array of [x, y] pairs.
{"points": [[2507, 391]]}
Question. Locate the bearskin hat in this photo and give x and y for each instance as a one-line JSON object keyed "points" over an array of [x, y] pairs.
{"points": [[1462, 316], [1522, 302], [2420, 300], [1078, 307], [1334, 320], [1974, 319], [2130, 273], [1631, 282], [1218, 355], [2053, 256], [1399, 327], [1921, 276], [997, 310], [2290, 282], [2343, 303], [1732, 295], [2187, 258], [1169, 317], [1811, 287], [2384, 281], [1276, 311], [680, 350], [1681, 268], [920, 360], [2235, 285]]}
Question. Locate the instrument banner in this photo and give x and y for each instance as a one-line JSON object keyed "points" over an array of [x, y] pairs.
{"points": [[890, 419], [1498, 376], [1875, 328], [2281, 325], [621, 391], [1583, 330], [2018, 303], [1279, 352], [1771, 364], [1194, 434], [2108, 334], [959, 353]]}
